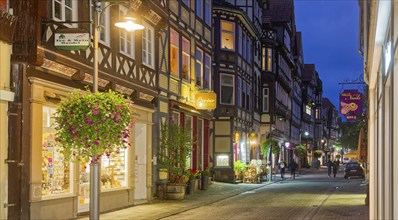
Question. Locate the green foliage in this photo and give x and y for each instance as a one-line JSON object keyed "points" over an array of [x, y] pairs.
{"points": [[270, 143], [350, 132], [239, 167], [317, 153], [175, 148], [264, 149], [89, 125], [300, 151]]}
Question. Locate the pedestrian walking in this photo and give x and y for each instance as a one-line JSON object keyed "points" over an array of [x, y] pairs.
{"points": [[293, 167], [282, 167], [335, 168], [329, 164]]}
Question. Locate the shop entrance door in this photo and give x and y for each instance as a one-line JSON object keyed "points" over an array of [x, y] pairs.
{"points": [[140, 191]]}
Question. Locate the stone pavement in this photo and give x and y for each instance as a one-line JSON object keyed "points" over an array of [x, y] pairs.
{"points": [[217, 191]]}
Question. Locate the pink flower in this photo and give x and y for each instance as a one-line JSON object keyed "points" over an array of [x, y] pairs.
{"points": [[95, 112]]}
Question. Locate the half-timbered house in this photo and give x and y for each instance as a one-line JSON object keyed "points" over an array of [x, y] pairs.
{"points": [[237, 26], [48, 187]]}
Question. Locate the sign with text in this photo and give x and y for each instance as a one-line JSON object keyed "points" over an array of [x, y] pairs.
{"points": [[205, 100], [351, 104], [72, 39]]}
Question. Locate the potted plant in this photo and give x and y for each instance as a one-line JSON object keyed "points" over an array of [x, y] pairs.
{"points": [[204, 181], [192, 177], [175, 149], [239, 167]]}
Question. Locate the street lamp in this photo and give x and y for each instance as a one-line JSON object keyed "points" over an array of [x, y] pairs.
{"points": [[129, 25]]}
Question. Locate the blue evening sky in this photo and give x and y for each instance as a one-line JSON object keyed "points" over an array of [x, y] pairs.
{"points": [[330, 41]]}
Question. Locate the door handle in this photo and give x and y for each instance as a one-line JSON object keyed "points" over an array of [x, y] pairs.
{"points": [[6, 205]]}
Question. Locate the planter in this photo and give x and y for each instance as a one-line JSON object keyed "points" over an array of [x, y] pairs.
{"points": [[197, 185], [191, 186], [204, 182], [175, 192]]}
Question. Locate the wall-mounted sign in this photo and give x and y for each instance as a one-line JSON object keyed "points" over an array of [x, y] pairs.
{"points": [[205, 100], [351, 104], [72, 39]]}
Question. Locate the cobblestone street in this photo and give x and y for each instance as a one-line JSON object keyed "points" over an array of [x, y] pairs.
{"points": [[312, 195]]}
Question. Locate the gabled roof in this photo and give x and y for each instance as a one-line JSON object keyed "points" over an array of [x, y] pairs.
{"points": [[326, 103]]}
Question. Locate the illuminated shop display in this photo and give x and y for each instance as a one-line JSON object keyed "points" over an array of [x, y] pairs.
{"points": [[222, 160], [56, 172]]}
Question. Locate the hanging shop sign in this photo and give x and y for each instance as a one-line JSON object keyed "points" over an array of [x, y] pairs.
{"points": [[351, 104], [72, 39], [205, 100]]}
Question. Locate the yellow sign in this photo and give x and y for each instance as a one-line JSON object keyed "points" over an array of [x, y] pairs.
{"points": [[205, 100]]}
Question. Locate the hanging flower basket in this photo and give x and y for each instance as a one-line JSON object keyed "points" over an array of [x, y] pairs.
{"points": [[89, 125]]}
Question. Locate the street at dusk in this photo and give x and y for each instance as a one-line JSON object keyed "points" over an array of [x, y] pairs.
{"points": [[198, 109], [312, 195]]}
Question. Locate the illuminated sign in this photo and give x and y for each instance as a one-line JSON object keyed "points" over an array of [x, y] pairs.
{"points": [[72, 39], [205, 100], [351, 104]]}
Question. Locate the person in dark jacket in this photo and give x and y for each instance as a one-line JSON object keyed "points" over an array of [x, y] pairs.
{"points": [[330, 164], [335, 168], [293, 167], [282, 166]]}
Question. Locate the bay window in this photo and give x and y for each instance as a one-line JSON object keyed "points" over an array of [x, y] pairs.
{"points": [[227, 35], [227, 93]]}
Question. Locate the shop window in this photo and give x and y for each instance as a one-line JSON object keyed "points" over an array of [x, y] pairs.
{"points": [[265, 99], [207, 73], [126, 38], [56, 172], [227, 35], [148, 45], [64, 10], [186, 58], [114, 170], [227, 89], [188, 125], [175, 118], [199, 67]]}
